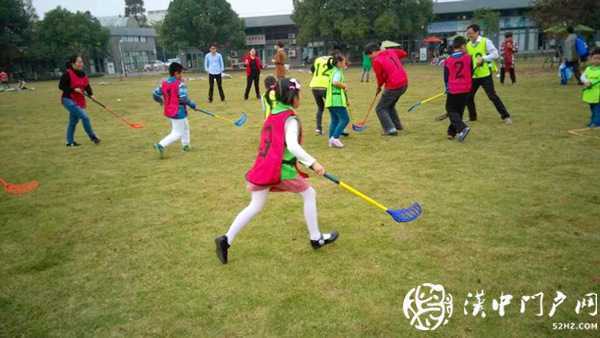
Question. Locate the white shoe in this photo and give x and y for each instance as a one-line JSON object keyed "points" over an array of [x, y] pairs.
{"points": [[336, 143], [330, 142], [508, 121]]}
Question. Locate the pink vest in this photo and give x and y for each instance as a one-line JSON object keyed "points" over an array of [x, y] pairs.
{"points": [[78, 82], [460, 77], [170, 93], [267, 167]]}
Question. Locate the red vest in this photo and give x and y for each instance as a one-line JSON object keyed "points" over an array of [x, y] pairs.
{"points": [[460, 77], [267, 167], [78, 82], [170, 93]]}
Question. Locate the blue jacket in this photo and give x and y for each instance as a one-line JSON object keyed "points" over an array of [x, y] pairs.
{"points": [[184, 101]]}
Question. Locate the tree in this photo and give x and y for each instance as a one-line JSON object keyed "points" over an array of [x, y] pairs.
{"points": [[199, 23], [488, 20], [16, 27], [357, 21], [549, 13], [63, 33], [135, 9]]}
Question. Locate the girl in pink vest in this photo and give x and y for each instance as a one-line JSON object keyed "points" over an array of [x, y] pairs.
{"points": [[172, 95], [275, 168], [75, 85], [458, 77]]}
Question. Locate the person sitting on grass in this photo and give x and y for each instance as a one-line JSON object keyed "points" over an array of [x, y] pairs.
{"points": [[268, 104], [591, 92], [337, 101], [75, 84], [172, 95], [275, 169], [4, 80], [458, 81]]}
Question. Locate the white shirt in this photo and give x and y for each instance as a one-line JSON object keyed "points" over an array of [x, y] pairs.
{"points": [[492, 51], [291, 140]]}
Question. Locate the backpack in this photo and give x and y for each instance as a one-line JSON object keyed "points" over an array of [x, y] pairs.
{"points": [[582, 48]]}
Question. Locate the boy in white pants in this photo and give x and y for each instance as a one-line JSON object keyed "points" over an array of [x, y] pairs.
{"points": [[172, 95]]}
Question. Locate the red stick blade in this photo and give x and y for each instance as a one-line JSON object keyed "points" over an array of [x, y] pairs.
{"points": [[20, 189]]}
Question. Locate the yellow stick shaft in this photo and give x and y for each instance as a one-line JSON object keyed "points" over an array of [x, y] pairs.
{"points": [[433, 98], [222, 118], [363, 196]]}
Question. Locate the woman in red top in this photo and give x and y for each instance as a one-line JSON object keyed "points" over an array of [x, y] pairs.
{"points": [[75, 84], [253, 68]]}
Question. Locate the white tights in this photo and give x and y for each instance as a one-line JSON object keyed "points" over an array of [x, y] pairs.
{"points": [[180, 129], [259, 198]]}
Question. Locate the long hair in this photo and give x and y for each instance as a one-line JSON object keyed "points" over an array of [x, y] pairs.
{"points": [[71, 61]]}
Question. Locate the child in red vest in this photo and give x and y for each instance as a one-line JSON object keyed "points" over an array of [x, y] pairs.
{"points": [[75, 84], [275, 168], [172, 95], [458, 79]]}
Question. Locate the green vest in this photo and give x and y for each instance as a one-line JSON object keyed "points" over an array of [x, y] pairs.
{"points": [[288, 167], [336, 97], [592, 94], [268, 108], [480, 50], [321, 74]]}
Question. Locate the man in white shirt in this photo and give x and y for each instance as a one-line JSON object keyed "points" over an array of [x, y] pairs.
{"points": [[213, 65], [484, 53]]}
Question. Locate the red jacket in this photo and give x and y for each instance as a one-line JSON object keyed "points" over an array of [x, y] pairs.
{"points": [[389, 70], [248, 59]]}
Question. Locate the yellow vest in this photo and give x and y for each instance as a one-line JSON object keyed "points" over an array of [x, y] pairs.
{"points": [[321, 74], [480, 50], [592, 95]]}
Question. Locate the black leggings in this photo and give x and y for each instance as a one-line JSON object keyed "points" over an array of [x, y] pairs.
{"points": [[252, 78]]}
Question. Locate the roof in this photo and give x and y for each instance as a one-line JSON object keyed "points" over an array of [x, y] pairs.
{"points": [[473, 5], [269, 21], [113, 21], [127, 31]]}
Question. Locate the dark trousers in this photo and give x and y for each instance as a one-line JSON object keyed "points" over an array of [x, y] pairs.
{"points": [[488, 85], [252, 78], [211, 88], [319, 94], [511, 71], [455, 107], [386, 110], [574, 65]]}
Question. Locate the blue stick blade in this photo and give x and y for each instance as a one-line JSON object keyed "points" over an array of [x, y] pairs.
{"points": [[411, 109], [242, 120], [358, 128], [406, 215]]}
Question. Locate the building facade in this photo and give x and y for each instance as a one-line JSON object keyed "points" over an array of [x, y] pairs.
{"points": [[453, 17], [131, 47], [263, 32]]}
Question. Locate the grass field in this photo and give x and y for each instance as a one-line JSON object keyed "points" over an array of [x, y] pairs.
{"points": [[116, 242]]}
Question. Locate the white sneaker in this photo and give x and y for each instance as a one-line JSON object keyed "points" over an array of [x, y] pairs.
{"points": [[330, 142], [336, 143], [508, 121]]}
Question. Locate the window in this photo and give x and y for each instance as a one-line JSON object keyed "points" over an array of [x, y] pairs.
{"points": [[142, 39]]}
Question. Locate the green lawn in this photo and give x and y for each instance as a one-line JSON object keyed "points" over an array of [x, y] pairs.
{"points": [[116, 242]]}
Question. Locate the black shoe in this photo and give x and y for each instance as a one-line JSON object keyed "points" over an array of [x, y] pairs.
{"points": [[96, 140], [345, 134], [222, 247], [326, 238], [74, 144], [393, 133]]}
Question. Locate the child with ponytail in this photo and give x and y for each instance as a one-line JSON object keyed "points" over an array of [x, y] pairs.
{"points": [[275, 168]]}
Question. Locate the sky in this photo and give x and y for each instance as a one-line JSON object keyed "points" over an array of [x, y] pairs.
{"points": [[115, 7]]}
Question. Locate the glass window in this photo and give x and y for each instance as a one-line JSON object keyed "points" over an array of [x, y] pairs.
{"points": [[142, 39]]}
